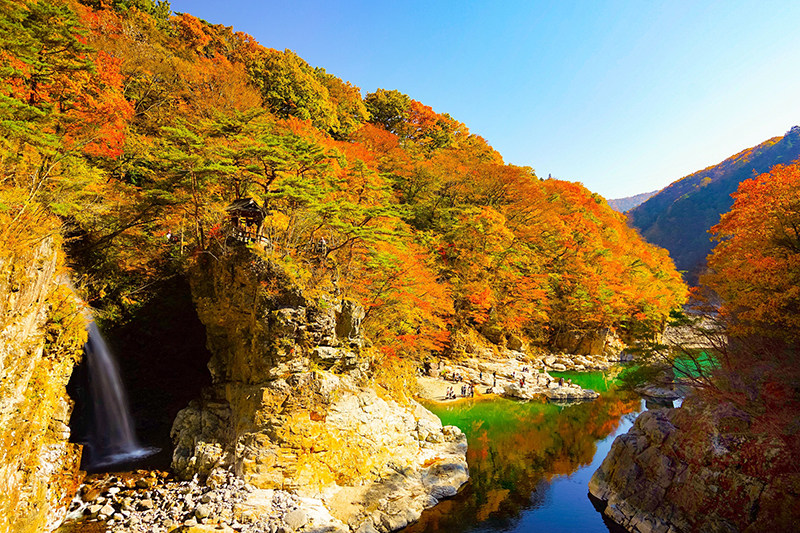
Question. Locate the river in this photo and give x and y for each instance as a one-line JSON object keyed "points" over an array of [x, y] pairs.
{"points": [[530, 463]]}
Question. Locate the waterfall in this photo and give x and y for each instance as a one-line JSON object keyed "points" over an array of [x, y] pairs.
{"points": [[112, 438]]}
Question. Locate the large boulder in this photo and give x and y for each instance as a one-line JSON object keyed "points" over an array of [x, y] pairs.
{"points": [[568, 393], [599, 342]]}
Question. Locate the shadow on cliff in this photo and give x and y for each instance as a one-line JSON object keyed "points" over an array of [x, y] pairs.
{"points": [[162, 358]]}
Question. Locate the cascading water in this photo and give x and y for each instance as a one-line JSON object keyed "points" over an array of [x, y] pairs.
{"points": [[111, 435]]}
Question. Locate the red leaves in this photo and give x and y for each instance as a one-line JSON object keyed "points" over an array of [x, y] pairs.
{"points": [[756, 266], [98, 120]]}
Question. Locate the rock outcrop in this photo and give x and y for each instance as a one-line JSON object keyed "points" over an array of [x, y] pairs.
{"points": [[41, 336], [290, 407], [601, 342], [699, 468], [514, 378], [578, 363]]}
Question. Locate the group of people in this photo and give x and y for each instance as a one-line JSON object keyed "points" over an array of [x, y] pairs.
{"points": [[467, 391], [455, 377]]}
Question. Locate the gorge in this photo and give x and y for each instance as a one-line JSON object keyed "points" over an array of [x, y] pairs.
{"points": [[298, 279]]}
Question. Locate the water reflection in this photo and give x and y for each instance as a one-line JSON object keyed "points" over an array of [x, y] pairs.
{"points": [[529, 464]]}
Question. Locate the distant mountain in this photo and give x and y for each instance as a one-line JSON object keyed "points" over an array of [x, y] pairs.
{"points": [[679, 216], [629, 202]]}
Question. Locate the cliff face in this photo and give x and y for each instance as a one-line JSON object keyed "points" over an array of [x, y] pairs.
{"points": [[41, 336], [289, 407], [699, 468]]}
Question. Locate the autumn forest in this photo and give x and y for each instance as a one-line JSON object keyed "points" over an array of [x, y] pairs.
{"points": [[123, 124], [140, 146]]}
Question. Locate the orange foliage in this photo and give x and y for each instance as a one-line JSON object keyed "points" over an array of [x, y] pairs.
{"points": [[191, 32], [755, 268], [98, 120], [428, 227]]}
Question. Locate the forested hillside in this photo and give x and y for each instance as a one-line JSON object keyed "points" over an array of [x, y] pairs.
{"points": [[130, 130], [679, 216]]}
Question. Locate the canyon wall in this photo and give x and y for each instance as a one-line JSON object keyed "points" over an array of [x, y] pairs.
{"points": [[291, 405], [700, 467], [41, 337]]}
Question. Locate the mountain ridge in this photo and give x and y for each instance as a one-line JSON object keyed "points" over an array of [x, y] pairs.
{"points": [[679, 216], [629, 202]]}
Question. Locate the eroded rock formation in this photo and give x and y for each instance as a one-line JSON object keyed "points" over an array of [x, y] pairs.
{"points": [[290, 408], [699, 468], [40, 342]]}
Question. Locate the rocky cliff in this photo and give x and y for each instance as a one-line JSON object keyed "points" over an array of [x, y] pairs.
{"points": [[41, 336], [700, 468], [290, 406]]}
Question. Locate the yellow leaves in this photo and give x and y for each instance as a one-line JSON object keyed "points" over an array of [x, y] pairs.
{"points": [[395, 376]]}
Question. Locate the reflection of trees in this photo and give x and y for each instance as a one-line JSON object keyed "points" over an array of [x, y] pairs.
{"points": [[515, 450]]}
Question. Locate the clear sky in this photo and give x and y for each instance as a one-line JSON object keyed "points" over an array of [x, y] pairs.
{"points": [[624, 96]]}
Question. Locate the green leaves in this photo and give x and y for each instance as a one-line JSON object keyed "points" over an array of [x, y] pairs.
{"points": [[290, 88], [40, 43], [388, 108]]}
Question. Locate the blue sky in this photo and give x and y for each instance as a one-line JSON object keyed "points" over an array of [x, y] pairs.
{"points": [[624, 96]]}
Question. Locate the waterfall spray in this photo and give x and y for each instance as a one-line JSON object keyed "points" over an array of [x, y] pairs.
{"points": [[112, 438]]}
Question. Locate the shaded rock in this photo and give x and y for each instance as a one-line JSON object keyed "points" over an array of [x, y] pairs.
{"points": [[514, 343], [492, 332], [348, 322], [600, 342], [687, 469], [203, 511]]}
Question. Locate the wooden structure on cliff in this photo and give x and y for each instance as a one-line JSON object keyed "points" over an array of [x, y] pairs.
{"points": [[247, 220]]}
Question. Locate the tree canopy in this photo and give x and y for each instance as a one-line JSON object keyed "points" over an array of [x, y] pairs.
{"points": [[135, 128], [755, 268]]}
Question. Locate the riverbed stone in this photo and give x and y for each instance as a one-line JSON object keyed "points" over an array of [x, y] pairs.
{"points": [[296, 519], [146, 504], [107, 510], [94, 509], [203, 511]]}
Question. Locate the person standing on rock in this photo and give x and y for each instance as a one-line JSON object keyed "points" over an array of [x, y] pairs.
{"points": [[561, 382], [494, 374]]}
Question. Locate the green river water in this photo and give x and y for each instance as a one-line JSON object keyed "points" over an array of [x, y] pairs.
{"points": [[530, 463]]}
